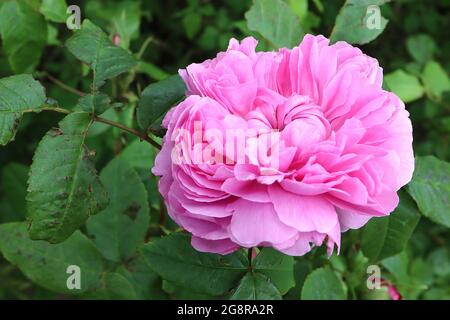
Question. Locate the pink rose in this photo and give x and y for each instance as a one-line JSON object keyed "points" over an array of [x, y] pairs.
{"points": [[284, 149]]}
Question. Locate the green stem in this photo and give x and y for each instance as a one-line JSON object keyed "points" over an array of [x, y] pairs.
{"points": [[64, 86], [144, 47], [135, 132], [138, 134], [60, 110], [250, 257]]}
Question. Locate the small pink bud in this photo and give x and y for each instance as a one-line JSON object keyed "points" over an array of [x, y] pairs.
{"points": [[116, 39], [393, 292]]}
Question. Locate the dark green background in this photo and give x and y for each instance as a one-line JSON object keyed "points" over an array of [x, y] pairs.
{"points": [[183, 32]]}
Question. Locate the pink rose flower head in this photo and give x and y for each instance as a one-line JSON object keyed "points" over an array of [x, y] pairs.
{"points": [[284, 149]]}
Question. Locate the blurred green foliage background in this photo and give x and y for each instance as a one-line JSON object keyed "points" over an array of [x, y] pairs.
{"points": [[414, 51]]}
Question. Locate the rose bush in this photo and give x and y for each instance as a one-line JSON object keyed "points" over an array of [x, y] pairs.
{"points": [[285, 165], [324, 147]]}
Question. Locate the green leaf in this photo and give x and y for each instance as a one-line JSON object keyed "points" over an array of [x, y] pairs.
{"points": [[52, 35], [139, 154], [92, 46], [323, 284], [126, 21], [420, 270], [256, 286], [435, 79], [176, 292], [54, 10], [146, 282], [152, 71], [63, 188], [421, 47], [122, 225], [388, 236], [430, 188], [18, 94], [439, 261], [113, 286], [174, 259], [302, 268], [357, 23], [24, 35], [278, 267], [399, 267], [94, 103], [405, 85], [97, 128], [158, 98], [275, 22], [357, 262], [319, 5], [192, 23], [299, 7], [123, 18], [46, 264], [14, 187], [209, 38]]}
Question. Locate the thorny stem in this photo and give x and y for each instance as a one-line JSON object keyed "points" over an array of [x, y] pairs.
{"points": [[64, 86], [144, 46], [135, 132], [250, 257], [162, 216], [138, 134]]}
